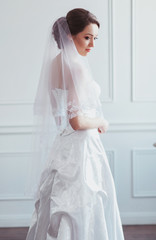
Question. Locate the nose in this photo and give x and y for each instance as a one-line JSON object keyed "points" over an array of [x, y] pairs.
{"points": [[92, 43]]}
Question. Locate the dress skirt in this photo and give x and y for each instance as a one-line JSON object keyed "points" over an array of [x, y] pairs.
{"points": [[76, 198]]}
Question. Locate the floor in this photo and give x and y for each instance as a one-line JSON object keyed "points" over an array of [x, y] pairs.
{"points": [[133, 232], [140, 232]]}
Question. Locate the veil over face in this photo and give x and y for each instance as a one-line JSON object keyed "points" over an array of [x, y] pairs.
{"points": [[64, 91]]}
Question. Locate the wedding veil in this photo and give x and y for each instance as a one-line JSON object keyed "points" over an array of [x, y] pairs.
{"points": [[64, 91]]}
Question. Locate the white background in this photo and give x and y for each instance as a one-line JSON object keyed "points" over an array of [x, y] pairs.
{"points": [[123, 62]]}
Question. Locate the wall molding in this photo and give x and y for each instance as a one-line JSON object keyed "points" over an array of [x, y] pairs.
{"points": [[133, 49], [132, 126], [15, 220], [15, 102], [113, 127], [15, 197], [16, 129], [131, 218], [110, 53], [137, 193]]}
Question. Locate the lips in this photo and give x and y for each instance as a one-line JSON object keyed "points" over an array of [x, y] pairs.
{"points": [[88, 50]]}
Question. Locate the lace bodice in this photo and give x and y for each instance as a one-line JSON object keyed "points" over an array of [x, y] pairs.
{"points": [[59, 101]]}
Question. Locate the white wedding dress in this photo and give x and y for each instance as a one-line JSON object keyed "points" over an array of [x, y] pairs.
{"points": [[76, 197]]}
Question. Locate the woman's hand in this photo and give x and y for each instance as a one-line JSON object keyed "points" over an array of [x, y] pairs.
{"points": [[104, 126]]}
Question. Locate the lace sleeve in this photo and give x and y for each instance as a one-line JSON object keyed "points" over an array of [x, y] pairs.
{"points": [[74, 109]]}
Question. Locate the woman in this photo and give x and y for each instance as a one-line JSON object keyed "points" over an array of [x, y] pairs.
{"points": [[76, 198]]}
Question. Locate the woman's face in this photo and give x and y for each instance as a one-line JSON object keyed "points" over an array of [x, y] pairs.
{"points": [[85, 40]]}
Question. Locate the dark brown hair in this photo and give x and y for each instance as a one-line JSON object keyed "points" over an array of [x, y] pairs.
{"points": [[77, 20]]}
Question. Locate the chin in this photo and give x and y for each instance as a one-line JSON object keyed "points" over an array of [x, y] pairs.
{"points": [[84, 54]]}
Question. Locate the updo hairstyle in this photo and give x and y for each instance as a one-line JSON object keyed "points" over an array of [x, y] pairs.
{"points": [[77, 20]]}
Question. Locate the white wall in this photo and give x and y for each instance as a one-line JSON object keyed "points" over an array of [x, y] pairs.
{"points": [[123, 62]]}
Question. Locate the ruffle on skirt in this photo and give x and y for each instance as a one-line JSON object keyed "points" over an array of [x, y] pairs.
{"points": [[76, 198]]}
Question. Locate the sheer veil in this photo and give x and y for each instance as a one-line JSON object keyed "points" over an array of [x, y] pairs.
{"points": [[64, 91]]}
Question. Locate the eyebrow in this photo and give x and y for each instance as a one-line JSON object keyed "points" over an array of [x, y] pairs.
{"points": [[90, 34]]}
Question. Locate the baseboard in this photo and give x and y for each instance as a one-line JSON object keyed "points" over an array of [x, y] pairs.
{"points": [[127, 218], [138, 218], [15, 220]]}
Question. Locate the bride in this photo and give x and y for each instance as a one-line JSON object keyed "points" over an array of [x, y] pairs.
{"points": [[75, 196]]}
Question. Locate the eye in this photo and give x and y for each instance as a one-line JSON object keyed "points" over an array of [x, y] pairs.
{"points": [[95, 38], [87, 38]]}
